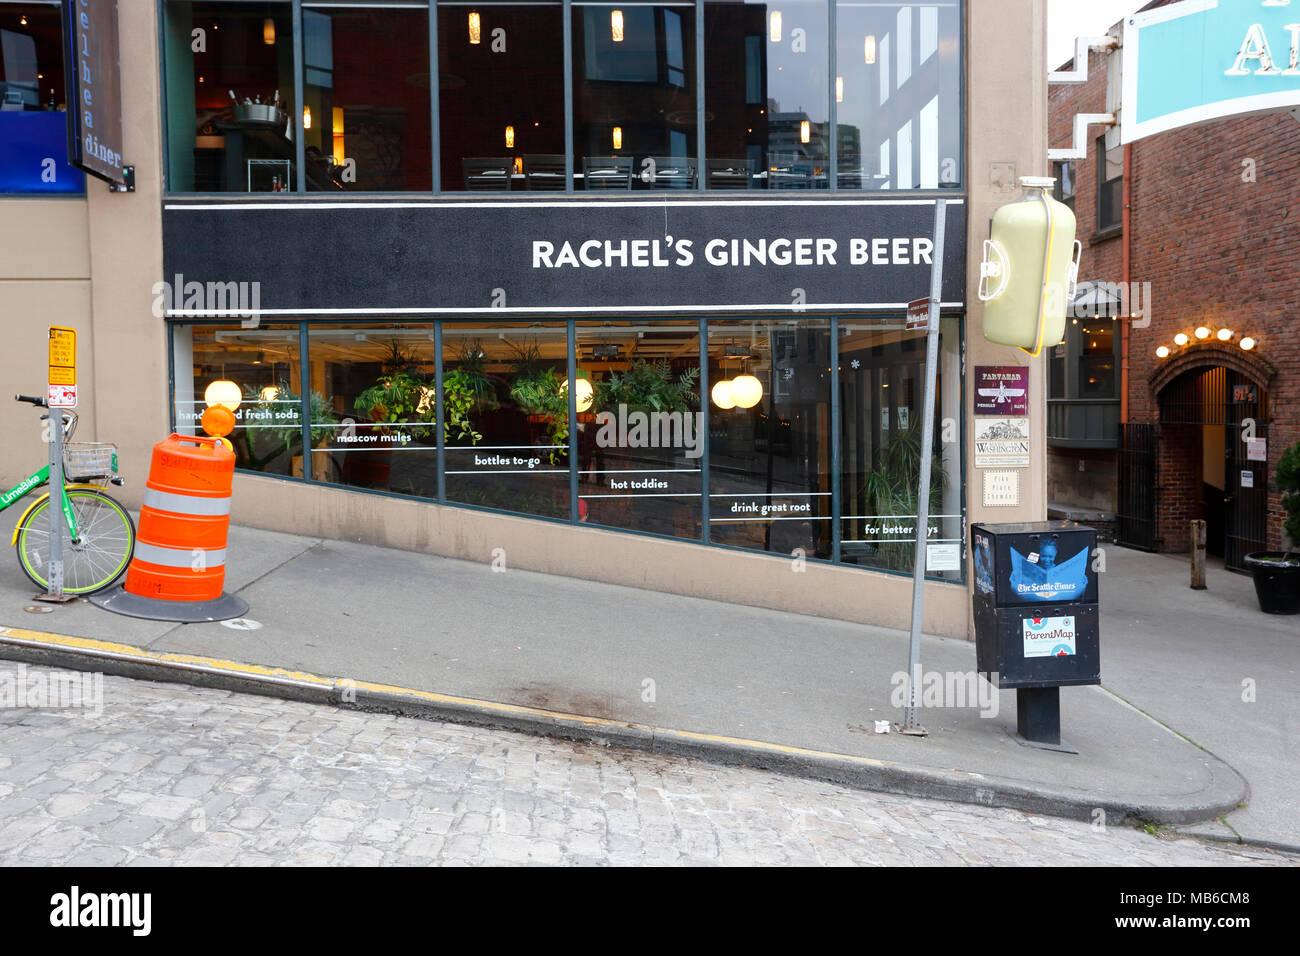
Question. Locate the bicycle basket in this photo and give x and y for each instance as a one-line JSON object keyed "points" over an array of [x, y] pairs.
{"points": [[88, 459]]}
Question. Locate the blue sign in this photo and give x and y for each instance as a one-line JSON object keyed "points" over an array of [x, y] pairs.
{"points": [[34, 154], [1204, 59]]}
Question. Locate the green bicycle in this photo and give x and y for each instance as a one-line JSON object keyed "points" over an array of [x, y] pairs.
{"points": [[101, 534]]}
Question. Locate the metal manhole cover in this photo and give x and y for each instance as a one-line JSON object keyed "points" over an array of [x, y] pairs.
{"points": [[242, 624]]}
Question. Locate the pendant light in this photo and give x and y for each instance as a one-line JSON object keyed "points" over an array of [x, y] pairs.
{"points": [[774, 28], [869, 49], [475, 27], [510, 137], [268, 31], [616, 25], [223, 392], [805, 131], [721, 394], [839, 89], [618, 137], [746, 391]]}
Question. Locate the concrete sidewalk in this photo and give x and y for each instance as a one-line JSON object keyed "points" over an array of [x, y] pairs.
{"points": [[458, 640]]}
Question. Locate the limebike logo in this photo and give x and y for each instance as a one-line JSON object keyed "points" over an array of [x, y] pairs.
{"points": [[18, 490], [207, 299], [651, 430]]}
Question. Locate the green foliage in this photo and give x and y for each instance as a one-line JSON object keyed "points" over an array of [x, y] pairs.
{"points": [[891, 489], [539, 390], [409, 399], [286, 424], [648, 387], [459, 398], [1288, 483]]}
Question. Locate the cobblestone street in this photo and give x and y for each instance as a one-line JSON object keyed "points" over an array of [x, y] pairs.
{"points": [[171, 774]]}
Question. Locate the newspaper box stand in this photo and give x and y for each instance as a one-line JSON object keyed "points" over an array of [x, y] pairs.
{"points": [[1036, 621]]}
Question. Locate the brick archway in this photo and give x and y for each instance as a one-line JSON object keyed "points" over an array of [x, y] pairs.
{"points": [[1211, 354]]}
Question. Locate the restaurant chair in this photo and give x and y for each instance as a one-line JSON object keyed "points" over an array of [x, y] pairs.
{"points": [[544, 170], [491, 173], [607, 172], [672, 172], [728, 174]]}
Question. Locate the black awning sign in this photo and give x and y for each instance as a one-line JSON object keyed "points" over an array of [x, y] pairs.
{"points": [[94, 86]]}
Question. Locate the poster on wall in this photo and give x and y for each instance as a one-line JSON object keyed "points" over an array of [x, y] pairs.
{"points": [[1001, 390], [1002, 443], [1001, 489]]}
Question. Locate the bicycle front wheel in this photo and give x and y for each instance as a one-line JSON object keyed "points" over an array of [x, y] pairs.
{"points": [[96, 559]]}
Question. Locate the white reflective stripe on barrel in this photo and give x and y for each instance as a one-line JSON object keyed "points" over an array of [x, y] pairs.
{"points": [[179, 557], [186, 504]]}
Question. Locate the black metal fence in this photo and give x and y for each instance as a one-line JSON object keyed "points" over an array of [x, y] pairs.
{"points": [[1137, 486]]}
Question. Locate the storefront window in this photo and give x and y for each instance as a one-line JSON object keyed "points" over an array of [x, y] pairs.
{"points": [[373, 408], [501, 96], [640, 429], [367, 98], [507, 406], [644, 456], [882, 376], [258, 375], [766, 99], [634, 95], [897, 95], [229, 84], [33, 122], [770, 435]]}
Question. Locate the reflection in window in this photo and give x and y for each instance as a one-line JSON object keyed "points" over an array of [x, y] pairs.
{"points": [[366, 117], [376, 416], [33, 124], [501, 96], [640, 431], [768, 108], [259, 373], [882, 376], [506, 392], [634, 91], [896, 95], [769, 435], [1097, 358], [229, 78]]}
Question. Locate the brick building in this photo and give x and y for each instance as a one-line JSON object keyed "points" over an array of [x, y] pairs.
{"points": [[1156, 418]]}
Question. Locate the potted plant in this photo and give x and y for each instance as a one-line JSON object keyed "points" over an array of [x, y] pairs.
{"points": [[647, 387], [285, 425], [890, 491], [540, 394], [1277, 573]]}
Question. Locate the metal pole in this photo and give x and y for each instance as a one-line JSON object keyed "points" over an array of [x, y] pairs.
{"points": [[910, 724], [54, 586]]}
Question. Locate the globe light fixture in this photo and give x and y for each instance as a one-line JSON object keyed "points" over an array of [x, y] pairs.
{"points": [[616, 25], [1181, 338], [746, 391], [223, 392], [1162, 352], [1202, 332], [1225, 335], [269, 394], [1247, 344], [475, 27], [721, 395]]}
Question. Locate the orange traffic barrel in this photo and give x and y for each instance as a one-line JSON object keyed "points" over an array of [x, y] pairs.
{"points": [[180, 548]]}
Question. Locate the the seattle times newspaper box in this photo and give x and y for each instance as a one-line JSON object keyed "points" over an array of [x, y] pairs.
{"points": [[1036, 622]]}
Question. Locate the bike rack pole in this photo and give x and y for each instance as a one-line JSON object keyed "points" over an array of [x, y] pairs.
{"points": [[54, 587]]}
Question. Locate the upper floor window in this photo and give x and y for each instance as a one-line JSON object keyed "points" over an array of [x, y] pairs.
{"points": [[33, 121], [759, 110], [1064, 188], [1110, 186]]}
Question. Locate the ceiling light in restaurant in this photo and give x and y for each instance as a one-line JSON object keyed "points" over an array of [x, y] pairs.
{"points": [[510, 137], [475, 27], [722, 395], [616, 25], [306, 117], [869, 49], [582, 396], [839, 89], [223, 392], [270, 393], [805, 131], [268, 31], [774, 29], [746, 391], [618, 137]]}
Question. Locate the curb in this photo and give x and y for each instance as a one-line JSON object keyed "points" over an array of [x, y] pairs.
{"points": [[1225, 792]]}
